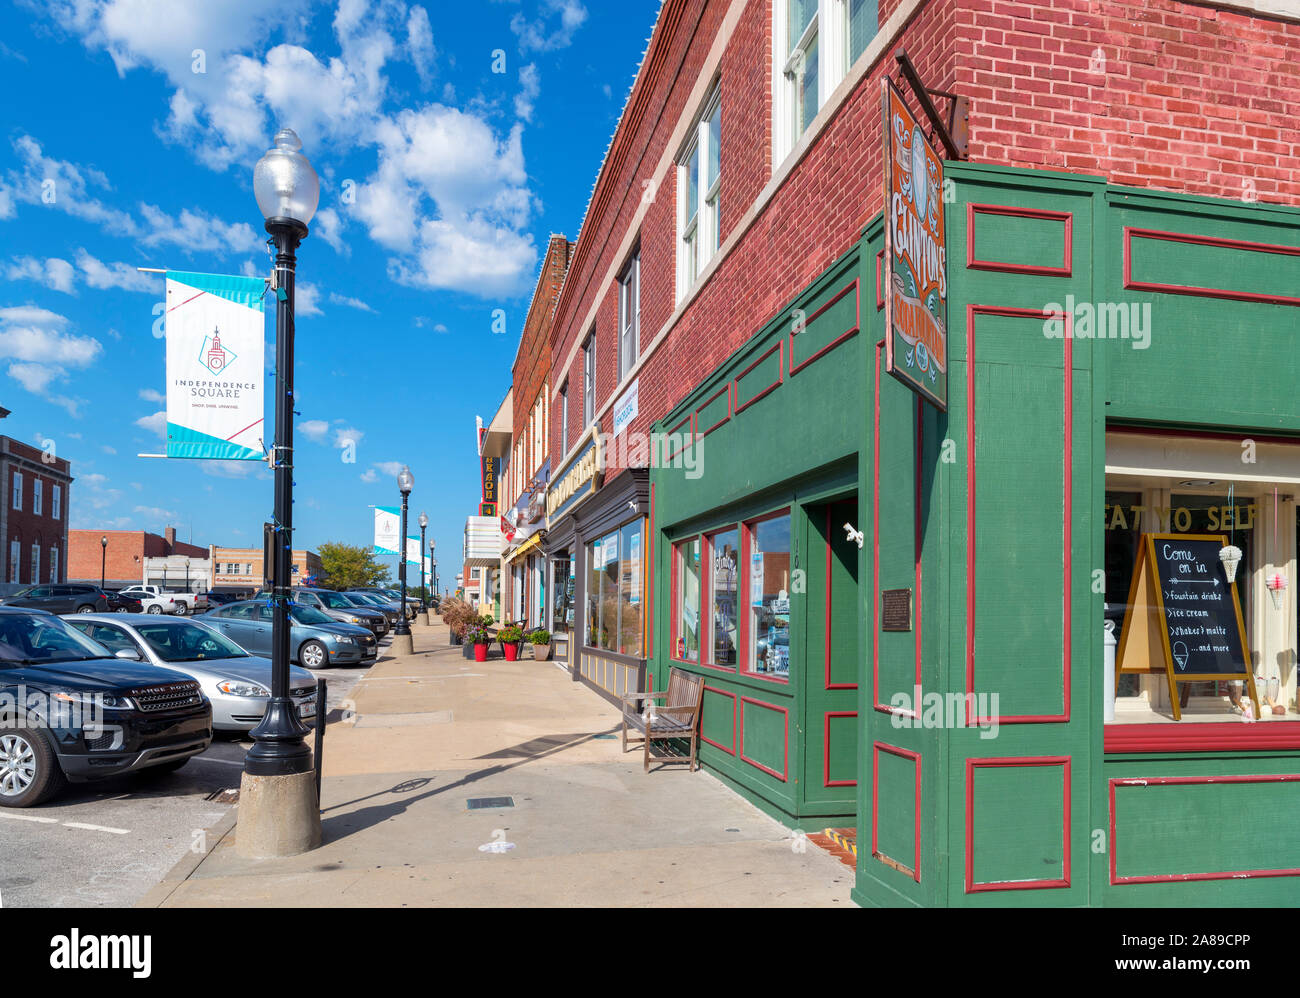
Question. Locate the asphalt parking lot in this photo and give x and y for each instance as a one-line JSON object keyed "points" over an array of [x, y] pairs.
{"points": [[105, 844]]}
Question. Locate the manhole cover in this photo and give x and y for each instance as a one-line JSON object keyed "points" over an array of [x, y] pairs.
{"points": [[480, 803]]}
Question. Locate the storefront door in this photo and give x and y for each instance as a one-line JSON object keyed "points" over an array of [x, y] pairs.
{"points": [[831, 659]]}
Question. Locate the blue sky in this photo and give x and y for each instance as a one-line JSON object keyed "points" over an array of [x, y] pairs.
{"points": [[451, 140]]}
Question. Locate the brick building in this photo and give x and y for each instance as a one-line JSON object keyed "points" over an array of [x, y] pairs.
{"points": [[35, 487], [728, 288], [242, 568], [123, 558]]}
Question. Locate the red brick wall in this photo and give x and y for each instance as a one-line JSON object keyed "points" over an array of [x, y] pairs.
{"points": [[532, 367], [26, 526], [123, 557], [1191, 99]]}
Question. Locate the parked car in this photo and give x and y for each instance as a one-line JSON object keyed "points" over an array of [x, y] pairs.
{"points": [[118, 603], [70, 598], [340, 608], [76, 712], [216, 597], [369, 600], [236, 683], [315, 640], [412, 604], [159, 600]]}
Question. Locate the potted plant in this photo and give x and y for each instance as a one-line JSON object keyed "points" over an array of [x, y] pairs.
{"points": [[478, 636], [510, 637], [541, 641]]}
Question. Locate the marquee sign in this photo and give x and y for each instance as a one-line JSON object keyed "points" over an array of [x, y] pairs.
{"points": [[915, 273], [576, 480]]}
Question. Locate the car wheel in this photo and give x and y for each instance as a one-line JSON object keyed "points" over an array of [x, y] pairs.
{"points": [[182, 609], [86, 608], [29, 772], [154, 608], [120, 609], [313, 655]]}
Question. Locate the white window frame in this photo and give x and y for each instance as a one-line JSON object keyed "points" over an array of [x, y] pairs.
{"points": [[15, 556], [564, 419], [589, 379], [830, 26], [36, 562], [56, 502], [54, 565], [629, 314], [698, 234], [18, 491], [38, 496]]}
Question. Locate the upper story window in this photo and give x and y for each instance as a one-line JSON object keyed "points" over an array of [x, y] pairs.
{"points": [[589, 379], [814, 42], [629, 314], [564, 418], [38, 495], [56, 502], [698, 187], [539, 431], [18, 490]]}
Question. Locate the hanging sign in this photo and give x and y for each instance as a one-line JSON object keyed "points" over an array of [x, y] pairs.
{"points": [[216, 335], [413, 551], [388, 528], [1183, 614], [915, 269]]}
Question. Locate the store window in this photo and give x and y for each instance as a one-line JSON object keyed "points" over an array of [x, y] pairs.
{"points": [[563, 583], [686, 613], [615, 594], [724, 629], [1205, 616], [767, 596], [589, 379]]}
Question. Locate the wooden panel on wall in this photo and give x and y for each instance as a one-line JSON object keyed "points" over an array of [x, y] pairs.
{"points": [[1210, 267], [896, 809], [765, 736], [762, 376], [1019, 240], [1017, 823], [718, 721], [833, 319]]}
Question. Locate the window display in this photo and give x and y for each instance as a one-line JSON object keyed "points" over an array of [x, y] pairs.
{"points": [[615, 620], [563, 583], [768, 597], [724, 552], [686, 555]]}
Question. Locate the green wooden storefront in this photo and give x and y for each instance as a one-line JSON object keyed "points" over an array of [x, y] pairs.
{"points": [[991, 514]]}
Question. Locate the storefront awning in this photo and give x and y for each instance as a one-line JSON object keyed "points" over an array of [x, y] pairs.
{"points": [[526, 546]]}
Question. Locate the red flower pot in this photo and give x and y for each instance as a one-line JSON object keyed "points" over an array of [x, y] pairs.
{"points": [[512, 651], [480, 653]]}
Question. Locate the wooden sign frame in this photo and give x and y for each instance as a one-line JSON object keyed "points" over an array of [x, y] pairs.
{"points": [[1145, 594]]}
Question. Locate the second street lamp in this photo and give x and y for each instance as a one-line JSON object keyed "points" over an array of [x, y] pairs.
{"points": [[423, 521], [402, 643], [103, 557]]}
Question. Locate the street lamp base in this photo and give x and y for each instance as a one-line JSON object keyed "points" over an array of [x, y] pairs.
{"points": [[278, 816], [403, 644]]}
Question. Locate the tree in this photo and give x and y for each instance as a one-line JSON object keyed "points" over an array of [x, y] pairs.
{"points": [[346, 566]]}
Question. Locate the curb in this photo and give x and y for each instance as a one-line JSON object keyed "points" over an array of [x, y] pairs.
{"points": [[187, 864]]}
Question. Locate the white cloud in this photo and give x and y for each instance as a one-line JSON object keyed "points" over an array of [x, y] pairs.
{"points": [[538, 35], [150, 395], [116, 275], [234, 469], [34, 377], [197, 231], [348, 435], [56, 274], [357, 303], [107, 449], [530, 86], [157, 514], [390, 468], [157, 423], [41, 349], [419, 43], [305, 297], [328, 225], [369, 475], [314, 429]]}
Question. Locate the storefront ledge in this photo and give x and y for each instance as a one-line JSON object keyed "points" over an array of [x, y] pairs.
{"points": [[1220, 737]]}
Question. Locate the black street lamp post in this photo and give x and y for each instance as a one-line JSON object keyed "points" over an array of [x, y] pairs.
{"points": [[405, 482], [424, 523], [288, 192], [103, 558]]}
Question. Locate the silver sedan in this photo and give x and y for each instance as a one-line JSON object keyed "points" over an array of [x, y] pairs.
{"points": [[237, 683]]}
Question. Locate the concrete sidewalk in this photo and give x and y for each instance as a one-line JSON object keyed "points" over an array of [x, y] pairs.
{"points": [[588, 827]]}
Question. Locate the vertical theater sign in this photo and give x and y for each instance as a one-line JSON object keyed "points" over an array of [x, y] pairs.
{"points": [[915, 263]]}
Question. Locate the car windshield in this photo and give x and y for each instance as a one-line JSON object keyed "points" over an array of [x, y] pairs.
{"points": [[335, 601], [31, 639], [183, 641], [309, 615], [364, 599]]}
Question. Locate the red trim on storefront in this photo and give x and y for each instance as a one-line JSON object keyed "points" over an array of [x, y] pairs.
{"points": [[915, 757], [703, 405], [848, 333], [1216, 242], [690, 436], [1158, 781], [826, 750], [779, 349], [1067, 419], [880, 294], [1008, 211], [648, 595], [1223, 736], [742, 596], [785, 738], [875, 560], [1016, 885], [706, 738]]}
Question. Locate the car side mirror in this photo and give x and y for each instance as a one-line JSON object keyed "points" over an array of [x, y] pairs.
{"points": [[127, 653]]}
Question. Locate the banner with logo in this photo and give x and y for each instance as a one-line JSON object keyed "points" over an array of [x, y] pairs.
{"points": [[388, 528], [216, 340], [915, 272], [413, 551]]}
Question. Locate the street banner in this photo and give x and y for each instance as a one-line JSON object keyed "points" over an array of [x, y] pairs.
{"points": [[915, 277], [413, 552], [216, 337], [388, 528]]}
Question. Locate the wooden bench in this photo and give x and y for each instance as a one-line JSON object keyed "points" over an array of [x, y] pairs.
{"points": [[679, 717]]}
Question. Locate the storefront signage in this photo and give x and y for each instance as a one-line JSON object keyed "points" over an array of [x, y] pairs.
{"points": [[577, 480], [627, 407], [1183, 615], [915, 270], [388, 529], [491, 479]]}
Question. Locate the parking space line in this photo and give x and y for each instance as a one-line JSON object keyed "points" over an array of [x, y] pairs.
{"points": [[29, 817], [96, 828]]}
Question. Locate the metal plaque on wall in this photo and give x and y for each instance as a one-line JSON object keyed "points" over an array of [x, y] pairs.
{"points": [[896, 610]]}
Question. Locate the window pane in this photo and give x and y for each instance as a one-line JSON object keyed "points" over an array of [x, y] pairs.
{"points": [[808, 87], [609, 595], [802, 13], [769, 597], [714, 138], [630, 584], [692, 199], [688, 601], [724, 549], [862, 26]]}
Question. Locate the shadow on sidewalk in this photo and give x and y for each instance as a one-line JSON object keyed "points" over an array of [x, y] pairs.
{"points": [[340, 826]]}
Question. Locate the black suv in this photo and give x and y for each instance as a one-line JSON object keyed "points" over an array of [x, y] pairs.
{"points": [[63, 598], [72, 711]]}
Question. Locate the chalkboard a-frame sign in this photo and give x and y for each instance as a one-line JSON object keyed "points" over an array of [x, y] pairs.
{"points": [[1182, 610]]}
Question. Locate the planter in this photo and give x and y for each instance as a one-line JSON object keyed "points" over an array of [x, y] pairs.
{"points": [[480, 653], [511, 648], [456, 639], [542, 652]]}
